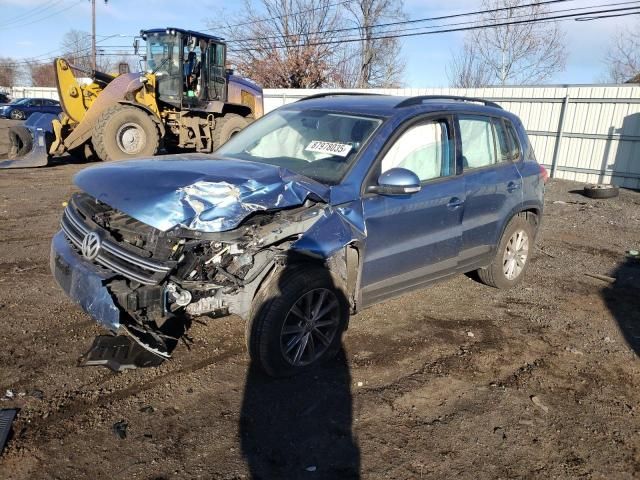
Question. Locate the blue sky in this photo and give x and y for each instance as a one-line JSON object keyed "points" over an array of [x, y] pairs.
{"points": [[34, 28]]}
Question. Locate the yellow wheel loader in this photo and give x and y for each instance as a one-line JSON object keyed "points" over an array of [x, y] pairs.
{"points": [[186, 99]]}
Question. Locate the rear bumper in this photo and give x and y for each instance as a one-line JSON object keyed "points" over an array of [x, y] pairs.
{"points": [[84, 283]]}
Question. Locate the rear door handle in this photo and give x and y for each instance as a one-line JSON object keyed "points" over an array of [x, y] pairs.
{"points": [[454, 203], [512, 186]]}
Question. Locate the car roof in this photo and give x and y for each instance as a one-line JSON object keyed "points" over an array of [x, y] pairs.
{"points": [[395, 106]]}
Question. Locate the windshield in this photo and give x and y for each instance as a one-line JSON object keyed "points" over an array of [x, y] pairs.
{"points": [[163, 58], [19, 101], [318, 144]]}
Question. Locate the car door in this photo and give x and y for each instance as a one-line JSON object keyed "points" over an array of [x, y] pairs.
{"points": [[414, 239], [493, 187], [35, 105]]}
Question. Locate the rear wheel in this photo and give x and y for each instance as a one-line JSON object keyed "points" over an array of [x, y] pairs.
{"points": [[123, 132], [297, 321], [512, 256], [226, 127]]}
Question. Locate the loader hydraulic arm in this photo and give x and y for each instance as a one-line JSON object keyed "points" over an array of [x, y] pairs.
{"points": [[74, 99]]}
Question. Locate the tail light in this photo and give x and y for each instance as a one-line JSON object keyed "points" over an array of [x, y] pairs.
{"points": [[544, 174]]}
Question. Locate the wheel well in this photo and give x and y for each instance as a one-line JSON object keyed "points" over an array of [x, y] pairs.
{"points": [[533, 216], [241, 110]]}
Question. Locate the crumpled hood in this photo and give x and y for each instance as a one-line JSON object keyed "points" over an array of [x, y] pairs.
{"points": [[199, 192]]}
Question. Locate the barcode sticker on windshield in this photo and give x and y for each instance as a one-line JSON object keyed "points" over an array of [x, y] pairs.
{"points": [[332, 148]]}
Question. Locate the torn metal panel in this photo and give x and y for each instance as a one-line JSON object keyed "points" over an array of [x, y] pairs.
{"points": [[202, 193], [7, 415], [84, 283], [337, 228], [118, 353]]}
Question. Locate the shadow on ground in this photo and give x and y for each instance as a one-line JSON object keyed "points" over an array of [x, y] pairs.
{"points": [[300, 426], [623, 300]]}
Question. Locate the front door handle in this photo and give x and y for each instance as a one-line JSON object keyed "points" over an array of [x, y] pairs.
{"points": [[513, 186], [454, 203]]}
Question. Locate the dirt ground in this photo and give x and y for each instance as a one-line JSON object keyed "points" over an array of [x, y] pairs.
{"points": [[455, 381]]}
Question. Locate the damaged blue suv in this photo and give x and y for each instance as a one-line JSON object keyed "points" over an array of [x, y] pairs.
{"points": [[319, 209]]}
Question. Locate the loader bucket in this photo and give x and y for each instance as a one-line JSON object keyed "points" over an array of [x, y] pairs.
{"points": [[30, 142]]}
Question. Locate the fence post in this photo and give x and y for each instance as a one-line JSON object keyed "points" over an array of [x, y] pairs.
{"points": [[556, 150]]}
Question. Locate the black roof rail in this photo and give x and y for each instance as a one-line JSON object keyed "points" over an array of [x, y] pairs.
{"points": [[409, 102], [335, 94]]}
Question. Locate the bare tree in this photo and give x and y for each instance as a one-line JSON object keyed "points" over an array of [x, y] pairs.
{"points": [[623, 55], [296, 44], [379, 62], [465, 71], [41, 74], [288, 50], [8, 72], [76, 48], [518, 54]]}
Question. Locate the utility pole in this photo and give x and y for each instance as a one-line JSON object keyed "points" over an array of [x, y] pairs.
{"points": [[93, 34]]}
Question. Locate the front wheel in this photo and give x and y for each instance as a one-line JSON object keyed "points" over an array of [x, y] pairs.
{"points": [[513, 254], [297, 321], [17, 115], [124, 131]]}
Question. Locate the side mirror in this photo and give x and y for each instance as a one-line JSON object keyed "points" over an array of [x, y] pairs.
{"points": [[396, 181], [229, 71]]}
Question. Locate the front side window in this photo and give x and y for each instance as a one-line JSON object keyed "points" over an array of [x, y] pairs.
{"points": [[318, 144], [424, 149], [478, 142]]}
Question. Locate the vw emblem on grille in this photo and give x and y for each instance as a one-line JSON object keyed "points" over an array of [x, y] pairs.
{"points": [[91, 245]]}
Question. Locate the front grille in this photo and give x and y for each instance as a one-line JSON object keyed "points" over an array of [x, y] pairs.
{"points": [[114, 257]]}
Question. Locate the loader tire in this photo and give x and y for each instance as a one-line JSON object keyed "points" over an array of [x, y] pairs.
{"points": [[226, 127], [21, 141], [124, 132]]}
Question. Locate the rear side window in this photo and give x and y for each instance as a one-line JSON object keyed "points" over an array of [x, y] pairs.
{"points": [[515, 149], [478, 142], [504, 143], [424, 149]]}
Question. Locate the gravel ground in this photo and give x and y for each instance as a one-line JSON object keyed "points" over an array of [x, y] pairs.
{"points": [[455, 381]]}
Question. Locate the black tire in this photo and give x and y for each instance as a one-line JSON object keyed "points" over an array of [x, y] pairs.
{"points": [[494, 275], [109, 134], [601, 190], [17, 115], [226, 127], [21, 141], [272, 309]]}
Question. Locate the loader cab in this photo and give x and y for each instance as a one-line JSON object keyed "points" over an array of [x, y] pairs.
{"points": [[189, 68]]}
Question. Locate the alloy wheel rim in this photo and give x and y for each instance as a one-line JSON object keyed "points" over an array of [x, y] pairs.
{"points": [[310, 327], [515, 255], [131, 138]]}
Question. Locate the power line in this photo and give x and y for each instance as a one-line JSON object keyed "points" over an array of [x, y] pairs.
{"points": [[294, 14], [449, 30], [29, 12], [46, 17], [413, 21]]}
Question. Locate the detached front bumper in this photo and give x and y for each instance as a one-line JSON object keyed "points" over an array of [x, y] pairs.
{"points": [[84, 283]]}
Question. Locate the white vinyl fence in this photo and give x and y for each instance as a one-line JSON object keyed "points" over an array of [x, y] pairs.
{"points": [[585, 133]]}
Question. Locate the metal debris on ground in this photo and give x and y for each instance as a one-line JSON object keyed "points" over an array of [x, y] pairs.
{"points": [[120, 429], [538, 403], [118, 353], [7, 415], [604, 278]]}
